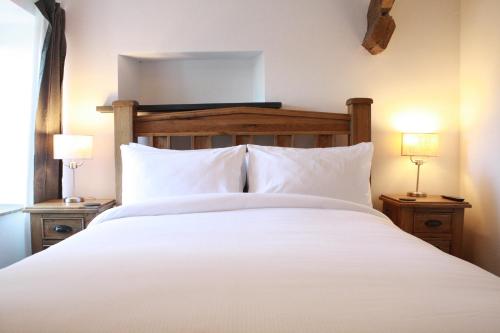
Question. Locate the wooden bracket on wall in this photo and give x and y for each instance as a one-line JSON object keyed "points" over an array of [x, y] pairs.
{"points": [[381, 25]]}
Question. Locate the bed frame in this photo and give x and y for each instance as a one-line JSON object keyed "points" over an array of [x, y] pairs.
{"points": [[242, 124]]}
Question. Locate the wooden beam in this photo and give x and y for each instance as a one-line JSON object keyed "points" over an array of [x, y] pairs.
{"points": [[381, 26], [386, 6], [104, 109]]}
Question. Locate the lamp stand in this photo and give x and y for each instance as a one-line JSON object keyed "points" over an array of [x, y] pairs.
{"points": [[72, 198], [417, 193]]}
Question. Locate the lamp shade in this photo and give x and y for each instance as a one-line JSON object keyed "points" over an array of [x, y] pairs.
{"points": [[419, 144], [72, 147]]}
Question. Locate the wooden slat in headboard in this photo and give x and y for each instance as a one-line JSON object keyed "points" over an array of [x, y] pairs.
{"points": [[242, 123]]}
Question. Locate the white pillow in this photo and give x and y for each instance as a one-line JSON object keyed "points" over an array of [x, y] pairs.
{"points": [[134, 145], [340, 172], [141, 147], [151, 173]]}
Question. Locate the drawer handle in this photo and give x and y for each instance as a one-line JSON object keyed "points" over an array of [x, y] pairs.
{"points": [[433, 223], [63, 229]]}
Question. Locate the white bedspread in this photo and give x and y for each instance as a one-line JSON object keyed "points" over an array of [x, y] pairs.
{"points": [[246, 263]]}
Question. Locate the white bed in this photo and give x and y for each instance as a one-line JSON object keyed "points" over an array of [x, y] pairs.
{"points": [[246, 263]]}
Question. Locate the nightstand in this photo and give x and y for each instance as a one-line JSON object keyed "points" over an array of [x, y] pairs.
{"points": [[53, 221], [436, 220]]}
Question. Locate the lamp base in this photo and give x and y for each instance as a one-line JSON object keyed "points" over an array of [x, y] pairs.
{"points": [[417, 194], [73, 199]]}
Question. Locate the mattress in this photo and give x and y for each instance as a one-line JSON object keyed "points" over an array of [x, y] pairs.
{"points": [[246, 263]]}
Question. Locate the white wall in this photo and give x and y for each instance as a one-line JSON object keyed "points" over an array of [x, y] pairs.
{"points": [[15, 241], [480, 139], [192, 78], [313, 60]]}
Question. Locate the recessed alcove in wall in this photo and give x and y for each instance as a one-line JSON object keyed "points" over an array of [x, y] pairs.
{"points": [[192, 77]]}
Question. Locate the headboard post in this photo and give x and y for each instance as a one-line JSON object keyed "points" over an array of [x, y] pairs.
{"points": [[361, 123], [124, 112]]}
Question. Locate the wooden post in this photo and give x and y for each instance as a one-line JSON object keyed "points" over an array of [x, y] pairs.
{"points": [[361, 123], [124, 112]]}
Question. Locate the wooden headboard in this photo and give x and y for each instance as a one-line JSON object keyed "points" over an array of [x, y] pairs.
{"points": [[242, 124]]}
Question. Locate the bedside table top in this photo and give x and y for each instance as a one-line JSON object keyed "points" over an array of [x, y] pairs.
{"points": [[59, 206], [429, 201]]}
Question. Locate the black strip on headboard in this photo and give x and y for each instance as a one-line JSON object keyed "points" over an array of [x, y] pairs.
{"points": [[205, 106]]}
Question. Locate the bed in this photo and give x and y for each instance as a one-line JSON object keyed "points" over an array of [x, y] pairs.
{"points": [[245, 262]]}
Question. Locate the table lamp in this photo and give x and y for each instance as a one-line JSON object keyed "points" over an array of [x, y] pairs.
{"points": [[73, 148], [418, 146]]}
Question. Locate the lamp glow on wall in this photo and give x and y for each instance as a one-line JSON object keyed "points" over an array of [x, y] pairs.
{"points": [[418, 146], [73, 149]]}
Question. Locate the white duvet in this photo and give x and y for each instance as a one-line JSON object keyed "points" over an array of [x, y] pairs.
{"points": [[246, 263]]}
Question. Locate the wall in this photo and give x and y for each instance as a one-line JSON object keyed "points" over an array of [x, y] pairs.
{"points": [[480, 137], [313, 60], [192, 78], [15, 241]]}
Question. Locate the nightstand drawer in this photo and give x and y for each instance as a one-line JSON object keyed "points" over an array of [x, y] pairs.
{"points": [[61, 228], [432, 222], [444, 245], [46, 243]]}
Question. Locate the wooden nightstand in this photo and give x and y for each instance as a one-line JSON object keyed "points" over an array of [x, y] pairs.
{"points": [[53, 221], [434, 219]]}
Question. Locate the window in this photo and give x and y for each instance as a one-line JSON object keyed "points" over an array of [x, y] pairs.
{"points": [[20, 32]]}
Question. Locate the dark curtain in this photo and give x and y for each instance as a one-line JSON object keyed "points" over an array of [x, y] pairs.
{"points": [[48, 172]]}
